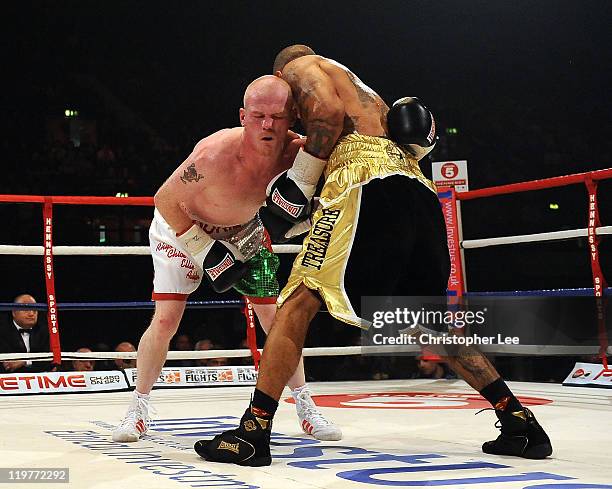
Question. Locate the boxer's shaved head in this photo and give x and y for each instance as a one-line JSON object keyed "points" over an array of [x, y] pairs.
{"points": [[265, 87], [289, 54], [267, 115]]}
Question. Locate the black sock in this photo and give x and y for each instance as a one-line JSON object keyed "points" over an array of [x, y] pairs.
{"points": [[500, 396], [263, 405]]}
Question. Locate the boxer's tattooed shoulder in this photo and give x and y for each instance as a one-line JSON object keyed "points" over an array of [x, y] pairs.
{"points": [[191, 174]]}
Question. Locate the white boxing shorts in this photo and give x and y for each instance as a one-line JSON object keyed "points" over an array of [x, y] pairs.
{"points": [[175, 274]]}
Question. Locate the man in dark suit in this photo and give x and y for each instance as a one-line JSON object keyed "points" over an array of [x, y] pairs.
{"points": [[21, 333]]}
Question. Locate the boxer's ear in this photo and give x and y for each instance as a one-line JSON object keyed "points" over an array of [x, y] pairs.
{"points": [[242, 116], [278, 73]]}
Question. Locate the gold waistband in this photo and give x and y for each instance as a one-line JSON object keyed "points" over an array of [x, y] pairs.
{"points": [[367, 157]]}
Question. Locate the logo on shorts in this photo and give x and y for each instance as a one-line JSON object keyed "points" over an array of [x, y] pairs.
{"points": [[214, 272], [319, 238], [290, 208], [170, 250]]}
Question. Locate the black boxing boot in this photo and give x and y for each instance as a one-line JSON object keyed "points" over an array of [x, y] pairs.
{"points": [[521, 434], [249, 444]]}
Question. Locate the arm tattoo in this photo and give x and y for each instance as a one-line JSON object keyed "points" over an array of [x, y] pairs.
{"points": [[191, 175], [322, 137]]}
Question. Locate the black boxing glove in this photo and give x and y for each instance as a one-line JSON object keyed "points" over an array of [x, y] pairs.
{"points": [[222, 262], [290, 193], [287, 209], [281, 230], [412, 126], [223, 266]]}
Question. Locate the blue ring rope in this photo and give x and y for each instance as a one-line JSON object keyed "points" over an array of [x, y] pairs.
{"points": [[235, 304], [83, 306], [581, 292]]}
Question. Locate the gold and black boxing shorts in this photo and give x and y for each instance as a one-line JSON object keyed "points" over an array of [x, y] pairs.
{"points": [[378, 231]]}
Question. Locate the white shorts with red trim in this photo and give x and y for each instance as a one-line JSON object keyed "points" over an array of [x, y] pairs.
{"points": [[176, 275]]}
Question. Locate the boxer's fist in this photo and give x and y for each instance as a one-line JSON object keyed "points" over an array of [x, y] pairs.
{"points": [[281, 230], [290, 196], [222, 262], [412, 126], [287, 199], [223, 266]]}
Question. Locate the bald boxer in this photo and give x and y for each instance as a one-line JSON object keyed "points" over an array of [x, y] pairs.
{"points": [[379, 231], [206, 226]]}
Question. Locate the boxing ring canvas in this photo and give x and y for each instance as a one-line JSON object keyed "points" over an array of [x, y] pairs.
{"points": [[410, 433]]}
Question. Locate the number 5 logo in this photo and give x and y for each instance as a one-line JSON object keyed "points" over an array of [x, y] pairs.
{"points": [[449, 170]]}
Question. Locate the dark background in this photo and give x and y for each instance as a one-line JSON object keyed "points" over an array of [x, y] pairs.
{"points": [[526, 84]]}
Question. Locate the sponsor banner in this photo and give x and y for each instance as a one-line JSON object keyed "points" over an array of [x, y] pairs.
{"points": [[200, 376], [449, 210], [412, 400], [451, 174], [589, 375], [62, 382]]}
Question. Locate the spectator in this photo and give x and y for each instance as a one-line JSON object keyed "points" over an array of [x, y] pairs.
{"points": [[431, 367], [21, 333], [244, 345], [202, 345], [182, 342], [121, 363], [218, 361], [83, 365], [103, 364]]}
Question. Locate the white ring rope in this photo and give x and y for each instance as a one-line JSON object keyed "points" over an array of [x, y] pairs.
{"points": [[107, 250], [532, 238], [145, 250], [544, 350]]}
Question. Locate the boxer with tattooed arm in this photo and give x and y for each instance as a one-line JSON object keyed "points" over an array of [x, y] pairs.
{"points": [[379, 231], [206, 224]]}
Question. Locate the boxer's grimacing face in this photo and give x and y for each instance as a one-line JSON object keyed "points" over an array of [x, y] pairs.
{"points": [[266, 117]]}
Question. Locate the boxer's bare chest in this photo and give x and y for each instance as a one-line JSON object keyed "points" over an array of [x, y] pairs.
{"points": [[228, 198]]}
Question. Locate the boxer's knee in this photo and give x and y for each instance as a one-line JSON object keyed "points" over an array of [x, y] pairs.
{"points": [[167, 318], [302, 304], [265, 313]]}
